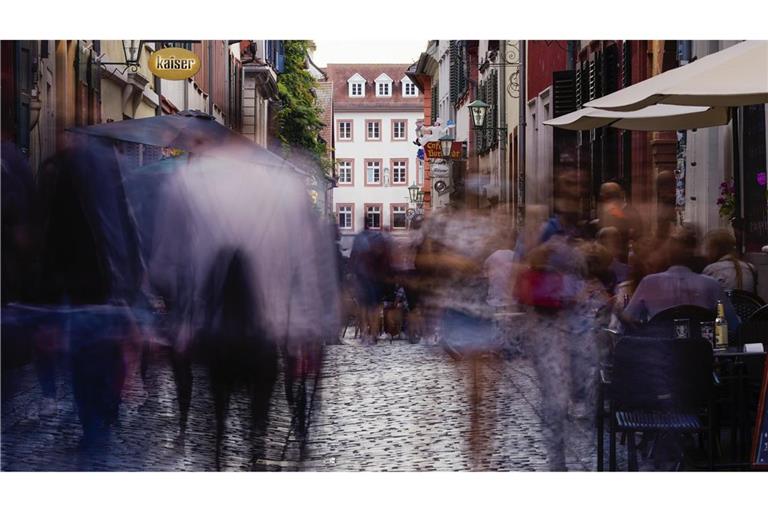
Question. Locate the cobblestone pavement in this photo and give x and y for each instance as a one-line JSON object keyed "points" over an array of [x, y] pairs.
{"points": [[388, 407]]}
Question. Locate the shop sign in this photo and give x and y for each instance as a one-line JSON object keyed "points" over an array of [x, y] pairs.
{"points": [[174, 63], [440, 169], [434, 150]]}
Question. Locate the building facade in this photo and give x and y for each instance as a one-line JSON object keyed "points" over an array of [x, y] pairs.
{"points": [[375, 111]]}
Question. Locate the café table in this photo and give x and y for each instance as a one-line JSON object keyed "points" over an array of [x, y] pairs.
{"points": [[734, 360]]}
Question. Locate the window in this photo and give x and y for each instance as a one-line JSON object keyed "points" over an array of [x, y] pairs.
{"points": [[345, 216], [345, 130], [399, 172], [345, 172], [409, 88], [399, 219], [356, 86], [373, 214], [373, 131], [398, 130], [373, 172], [383, 85]]}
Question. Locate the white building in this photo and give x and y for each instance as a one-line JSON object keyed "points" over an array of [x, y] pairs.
{"points": [[375, 108]]}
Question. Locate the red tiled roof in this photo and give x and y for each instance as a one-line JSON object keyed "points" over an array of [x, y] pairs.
{"points": [[340, 73]]}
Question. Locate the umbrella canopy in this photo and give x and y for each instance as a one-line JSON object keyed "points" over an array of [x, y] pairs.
{"points": [[190, 130], [223, 202], [652, 118], [733, 77]]}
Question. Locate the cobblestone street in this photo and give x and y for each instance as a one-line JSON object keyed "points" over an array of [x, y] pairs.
{"points": [[389, 407]]}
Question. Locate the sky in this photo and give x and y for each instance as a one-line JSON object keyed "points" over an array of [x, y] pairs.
{"points": [[367, 52]]}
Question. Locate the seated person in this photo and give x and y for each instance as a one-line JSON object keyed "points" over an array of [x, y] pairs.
{"points": [[725, 265], [678, 286]]}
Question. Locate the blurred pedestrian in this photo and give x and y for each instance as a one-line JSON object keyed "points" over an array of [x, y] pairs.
{"points": [[370, 263], [550, 288]]}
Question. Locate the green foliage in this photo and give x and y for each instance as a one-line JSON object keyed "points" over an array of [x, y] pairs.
{"points": [[299, 116]]}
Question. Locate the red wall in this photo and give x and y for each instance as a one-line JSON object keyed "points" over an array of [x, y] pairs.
{"points": [[543, 58]]}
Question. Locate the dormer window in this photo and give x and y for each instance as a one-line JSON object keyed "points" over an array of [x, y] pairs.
{"points": [[356, 86], [383, 86], [409, 88]]}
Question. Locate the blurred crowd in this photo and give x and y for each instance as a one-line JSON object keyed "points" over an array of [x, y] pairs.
{"points": [[217, 260]]}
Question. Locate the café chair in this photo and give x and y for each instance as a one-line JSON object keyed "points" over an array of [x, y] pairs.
{"points": [[745, 303], [662, 324], [658, 385], [755, 328]]}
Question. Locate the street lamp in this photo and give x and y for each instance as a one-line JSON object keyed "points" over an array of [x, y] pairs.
{"points": [[478, 110], [413, 192], [131, 53], [446, 143]]}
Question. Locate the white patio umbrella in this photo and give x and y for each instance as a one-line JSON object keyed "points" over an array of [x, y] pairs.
{"points": [[733, 77], [652, 118]]}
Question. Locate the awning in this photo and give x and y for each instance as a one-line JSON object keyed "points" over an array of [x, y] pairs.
{"points": [[733, 77], [653, 118]]}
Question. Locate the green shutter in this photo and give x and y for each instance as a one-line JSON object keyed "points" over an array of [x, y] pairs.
{"points": [[435, 103], [453, 54]]}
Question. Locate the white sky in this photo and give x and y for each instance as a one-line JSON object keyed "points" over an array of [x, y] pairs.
{"points": [[367, 52]]}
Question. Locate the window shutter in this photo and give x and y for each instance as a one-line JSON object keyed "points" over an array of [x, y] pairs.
{"points": [[612, 69], [453, 53], [626, 64], [565, 92], [435, 103], [495, 99]]}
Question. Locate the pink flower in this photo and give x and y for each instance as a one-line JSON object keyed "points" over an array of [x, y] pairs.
{"points": [[761, 179], [721, 201]]}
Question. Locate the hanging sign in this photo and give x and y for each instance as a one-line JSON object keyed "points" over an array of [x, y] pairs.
{"points": [[434, 150], [439, 169], [174, 63]]}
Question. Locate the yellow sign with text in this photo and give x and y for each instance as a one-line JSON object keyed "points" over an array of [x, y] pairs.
{"points": [[174, 63]]}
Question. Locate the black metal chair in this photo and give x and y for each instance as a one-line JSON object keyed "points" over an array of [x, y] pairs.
{"points": [[662, 324], [755, 328], [745, 303], [658, 385]]}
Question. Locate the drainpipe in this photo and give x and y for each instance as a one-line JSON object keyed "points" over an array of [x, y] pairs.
{"points": [[521, 137], [503, 169], [159, 107], [210, 77]]}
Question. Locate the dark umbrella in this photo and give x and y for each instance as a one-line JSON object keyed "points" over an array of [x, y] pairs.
{"points": [[190, 130]]}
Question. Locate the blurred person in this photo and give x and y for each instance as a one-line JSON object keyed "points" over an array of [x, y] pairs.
{"points": [[237, 350], [91, 275], [641, 263], [725, 265], [286, 256], [454, 289], [610, 238], [615, 212], [370, 263], [666, 194], [559, 330], [678, 285]]}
